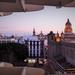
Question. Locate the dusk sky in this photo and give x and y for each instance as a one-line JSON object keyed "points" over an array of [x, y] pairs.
{"points": [[48, 19]]}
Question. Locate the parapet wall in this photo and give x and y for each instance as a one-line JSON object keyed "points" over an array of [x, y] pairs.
{"points": [[68, 51], [64, 48]]}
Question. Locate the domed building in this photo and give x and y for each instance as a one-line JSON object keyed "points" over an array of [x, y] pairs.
{"points": [[68, 27], [68, 32], [35, 44]]}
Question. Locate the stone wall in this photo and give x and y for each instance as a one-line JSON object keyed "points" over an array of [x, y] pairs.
{"points": [[54, 49], [68, 51], [65, 49]]}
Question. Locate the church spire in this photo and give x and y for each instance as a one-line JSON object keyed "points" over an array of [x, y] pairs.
{"points": [[34, 32], [41, 32]]}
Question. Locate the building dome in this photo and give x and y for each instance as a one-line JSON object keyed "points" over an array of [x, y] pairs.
{"points": [[68, 27], [68, 22]]}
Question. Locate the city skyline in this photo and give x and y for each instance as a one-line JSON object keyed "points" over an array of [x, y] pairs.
{"points": [[49, 19]]}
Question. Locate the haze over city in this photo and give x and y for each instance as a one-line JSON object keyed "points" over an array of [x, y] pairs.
{"points": [[48, 19]]}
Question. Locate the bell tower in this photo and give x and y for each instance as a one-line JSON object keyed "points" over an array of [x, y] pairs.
{"points": [[68, 27]]}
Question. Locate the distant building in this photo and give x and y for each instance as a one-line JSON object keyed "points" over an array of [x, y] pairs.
{"points": [[68, 27], [52, 47], [68, 43], [68, 32], [35, 44], [62, 46], [9, 39]]}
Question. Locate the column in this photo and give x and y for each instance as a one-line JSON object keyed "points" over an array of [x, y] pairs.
{"points": [[33, 48], [39, 48], [29, 48]]}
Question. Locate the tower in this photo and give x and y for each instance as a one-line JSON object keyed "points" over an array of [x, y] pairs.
{"points": [[68, 27], [34, 32]]}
